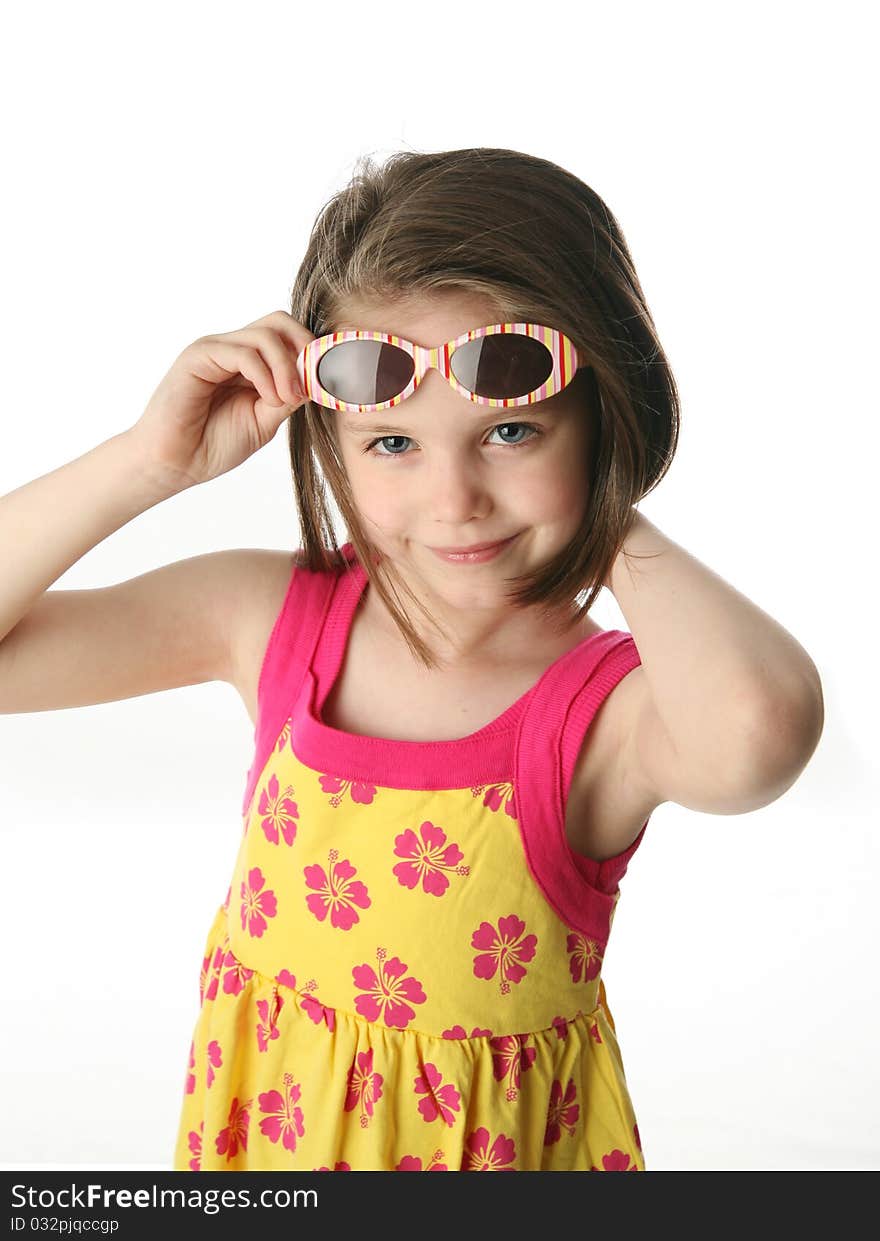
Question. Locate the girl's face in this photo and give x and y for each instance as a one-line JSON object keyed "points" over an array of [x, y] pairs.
{"points": [[439, 471]]}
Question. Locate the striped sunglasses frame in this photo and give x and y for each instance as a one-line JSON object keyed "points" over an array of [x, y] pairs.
{"points": [[565, 362]]}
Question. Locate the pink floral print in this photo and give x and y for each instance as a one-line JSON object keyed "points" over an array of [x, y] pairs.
{"points": [[616, 1161], [235, 1133], [503, 950], [511, 1056], [440, 1100], [268, 1011], [561, 1025], [562, 1113], [497, 795], [283, 1119], [194, 1141], [427, 859], [336, 891], [236, 975], [214, 1056], [361, 792], [585, 961], [318, 1012], [278, 811], [208, 983], [460, 1032], [256, 905], [388, 993], [482, 1154], [364, 1086], [413, 1163]]}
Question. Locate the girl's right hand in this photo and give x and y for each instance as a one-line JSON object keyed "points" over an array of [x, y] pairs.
{"points": [[224, 398]]}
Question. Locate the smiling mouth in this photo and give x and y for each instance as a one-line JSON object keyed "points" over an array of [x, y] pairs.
{"points": [[479, 553], [474, 547]]}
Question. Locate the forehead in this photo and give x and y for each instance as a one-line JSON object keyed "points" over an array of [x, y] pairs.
{"points": [[422, 320]]}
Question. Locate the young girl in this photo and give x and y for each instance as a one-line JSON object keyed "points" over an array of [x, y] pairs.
{"points": [[453, 763]]}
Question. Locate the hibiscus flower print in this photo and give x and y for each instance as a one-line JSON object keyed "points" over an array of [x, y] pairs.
{"points": [[209, 980], [413, 1163], [361, 792], [278, 811], [268, 1011], [256, 905], [461, 1032], [497, 795], [235, 1133], [389, 994], [214, 1057], [585, 960], [427, 859], [236, 975], [503, 949], [340, 1166], [440, 1100], [318, 1012], [562, 1113], [364, 1086], [283, 1119], [616, 1161], [336, 891], [195, 1145], [284, 736], [483, 1155], [511, 1056]]}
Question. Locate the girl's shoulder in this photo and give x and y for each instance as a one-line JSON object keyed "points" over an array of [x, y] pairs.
{"points": [[261, 585]]}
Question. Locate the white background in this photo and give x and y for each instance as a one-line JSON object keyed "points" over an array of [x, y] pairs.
{"points": [[163, 166]]}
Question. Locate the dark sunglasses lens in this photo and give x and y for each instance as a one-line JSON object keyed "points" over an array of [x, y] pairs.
{"points": [[365, 372], [502, 365]]}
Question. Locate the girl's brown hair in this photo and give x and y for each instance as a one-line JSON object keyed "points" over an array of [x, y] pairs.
{"points": [[544, 248]]}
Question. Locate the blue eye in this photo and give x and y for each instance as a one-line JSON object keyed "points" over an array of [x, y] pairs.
{"points": [[504, 426]]}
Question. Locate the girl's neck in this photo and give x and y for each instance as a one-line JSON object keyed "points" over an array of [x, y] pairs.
{"points": [[483, 638]]}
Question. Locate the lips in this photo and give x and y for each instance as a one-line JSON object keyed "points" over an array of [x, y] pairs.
{"points": [[473, 547]]}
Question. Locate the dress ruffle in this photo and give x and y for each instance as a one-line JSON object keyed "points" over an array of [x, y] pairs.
{"points": [[277, 1081]]}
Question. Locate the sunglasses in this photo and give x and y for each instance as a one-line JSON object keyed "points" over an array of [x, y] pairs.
{"points": [[503, 365]]}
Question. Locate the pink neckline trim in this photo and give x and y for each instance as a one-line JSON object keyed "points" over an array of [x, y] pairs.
{"points": [[481, 758]]}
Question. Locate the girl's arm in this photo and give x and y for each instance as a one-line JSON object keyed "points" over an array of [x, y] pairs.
{"points": [[224, 398], [734, 707], [174, 626], [49, 524]]}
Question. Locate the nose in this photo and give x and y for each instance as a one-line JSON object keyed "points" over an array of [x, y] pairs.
{"points": [[456, 491]]}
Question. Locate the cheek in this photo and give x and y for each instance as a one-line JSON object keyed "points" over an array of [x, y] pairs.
{"points": [[374, 493], [556, 492]]}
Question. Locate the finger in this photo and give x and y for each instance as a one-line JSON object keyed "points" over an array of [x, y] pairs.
{"points": [[295, 333], [231, 358], [276, 352]]}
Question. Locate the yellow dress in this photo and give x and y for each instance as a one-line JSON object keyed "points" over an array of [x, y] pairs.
{"points": [[405, 972]]}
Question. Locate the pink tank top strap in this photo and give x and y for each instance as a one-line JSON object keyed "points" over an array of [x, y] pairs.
{"points": [[288, 657], [564, 704]]}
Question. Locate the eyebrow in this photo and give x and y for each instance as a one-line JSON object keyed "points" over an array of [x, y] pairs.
{"points": [[520, 413]]}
